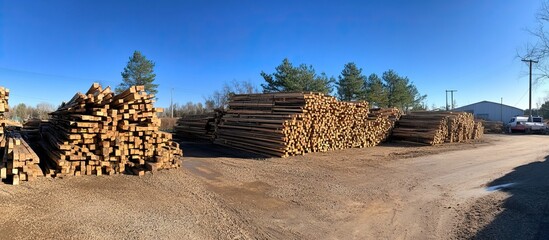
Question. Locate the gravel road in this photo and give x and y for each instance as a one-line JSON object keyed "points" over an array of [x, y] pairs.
{"points": [[493, 189]]}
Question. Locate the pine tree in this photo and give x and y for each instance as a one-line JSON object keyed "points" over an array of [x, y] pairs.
{"points": [[401, 93], [138, 71], [288, 78], [376, 93], [350, 86]]}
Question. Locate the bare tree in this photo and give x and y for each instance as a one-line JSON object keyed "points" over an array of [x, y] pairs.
{"points": [[538, 50], [42, 110], [220, 98]]}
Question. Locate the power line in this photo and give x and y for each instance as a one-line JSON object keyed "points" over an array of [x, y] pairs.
{"points": [[520, 99]]}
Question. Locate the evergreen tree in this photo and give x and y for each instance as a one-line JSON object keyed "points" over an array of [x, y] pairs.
{"points": [[376, 93], [288, 78], [401, 93], [350, 86], [138, 71], [544, 110]]}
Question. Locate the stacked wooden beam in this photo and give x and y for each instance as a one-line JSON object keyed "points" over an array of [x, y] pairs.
{"points": [[200, 126], [100, 132], [20, 162], [435, 127], [4, 97], [285, 124], [30, 130], [4, 107]]}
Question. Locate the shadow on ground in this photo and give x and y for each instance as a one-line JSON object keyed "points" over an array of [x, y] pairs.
{"points": [[525, 213], [206, 149]]}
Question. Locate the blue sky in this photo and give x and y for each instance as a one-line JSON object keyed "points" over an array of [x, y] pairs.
{"points": [[49, 50]]}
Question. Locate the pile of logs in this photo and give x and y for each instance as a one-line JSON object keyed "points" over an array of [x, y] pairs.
{"points": [[385, 119], [202, 126], [20, 162], [285, 124], [493, 126], [437, 127], [100, 132], [479, 130]]}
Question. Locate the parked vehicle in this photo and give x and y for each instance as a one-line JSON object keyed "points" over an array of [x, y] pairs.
{"points": [[521, 124]]}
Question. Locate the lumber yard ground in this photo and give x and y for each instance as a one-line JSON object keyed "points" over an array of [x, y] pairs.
{"points": [[497, 188]]}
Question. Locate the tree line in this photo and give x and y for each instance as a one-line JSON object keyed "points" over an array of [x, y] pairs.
{"points": [[389, 90], [21, 111]]}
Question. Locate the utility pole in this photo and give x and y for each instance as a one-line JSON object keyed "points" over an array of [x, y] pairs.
{"points": [[171, 101], [446, 100], [501, 110], [452, 98], [530, 61]]}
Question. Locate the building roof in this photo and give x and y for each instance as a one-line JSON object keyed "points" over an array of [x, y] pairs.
{"points": [[470, 105]]}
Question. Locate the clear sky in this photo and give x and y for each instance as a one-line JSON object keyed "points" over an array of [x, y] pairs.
{"points": [[49, 50]]}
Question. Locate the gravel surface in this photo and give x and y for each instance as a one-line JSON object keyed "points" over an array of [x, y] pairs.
{"points": [[393, 191]]}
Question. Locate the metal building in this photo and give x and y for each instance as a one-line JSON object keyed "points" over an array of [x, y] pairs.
{"points": [[491, 111]]}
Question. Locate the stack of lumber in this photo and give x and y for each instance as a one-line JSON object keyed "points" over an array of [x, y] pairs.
{"points": [[4, 107], [200, 126], [285, 124], [4, 96], [493, 126], [100, 132], [20, 162], [30, 129], [436, 127]]}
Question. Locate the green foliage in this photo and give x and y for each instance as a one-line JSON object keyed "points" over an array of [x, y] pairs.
{"points": [[138, 71], [376, 93], [288, 78], [351, 84], [392, 90], [543, 111], [401, 93]]}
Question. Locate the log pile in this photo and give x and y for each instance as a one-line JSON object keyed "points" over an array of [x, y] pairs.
{"points": [[286, 124], [382, 122], [20, 162], [493, 126], [436, 127], [460, 127], [201, 126], [392, 114], [100, 132], [478, 131]]}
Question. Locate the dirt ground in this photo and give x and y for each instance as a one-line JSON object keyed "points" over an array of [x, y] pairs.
{"points": [[494, 189]]}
